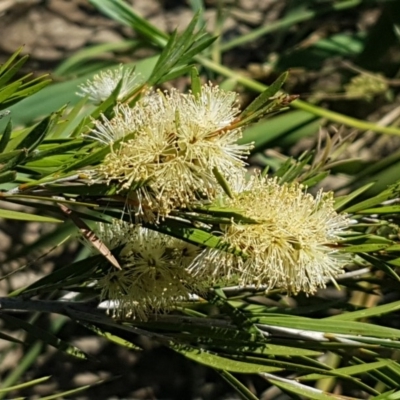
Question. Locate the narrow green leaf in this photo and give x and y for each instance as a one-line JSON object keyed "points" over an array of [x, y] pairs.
{"points": [[10, 71], [223, 182], [7, 176], [123, 13], [390, 395], [87, 54], [304, 391], [44, 336], [62, 395], [222, 212], [315, 179], [237, 385], [275, 129], [264, 97], [25, 384], [18, 215], [367, 312], [175, 73], [349, 371], [97, 155], [381, 210], [209, 359], [4, 67], [111, 337], [195, 83], [64, 275], [91, 159], [343, 200], [9, 338], [56, 149], [6, 136], [391, 192], [8, 91], [29, 91], [85, 190], [66, 126], [5, 157], [37, 134], [194, 235], [364, 248], [328, 326]]}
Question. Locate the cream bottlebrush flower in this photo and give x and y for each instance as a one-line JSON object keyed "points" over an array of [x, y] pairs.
{"points": [[179, 141], [292, 247], [104, 83], [153, 276], [126, 121]]}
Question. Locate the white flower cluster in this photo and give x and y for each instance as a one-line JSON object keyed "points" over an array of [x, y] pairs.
{"points": [[153, 275], [104, 83], [176, 143], [167, 152]]}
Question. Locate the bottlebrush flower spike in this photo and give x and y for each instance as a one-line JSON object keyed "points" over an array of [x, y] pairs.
{"points": [[293, 245]]}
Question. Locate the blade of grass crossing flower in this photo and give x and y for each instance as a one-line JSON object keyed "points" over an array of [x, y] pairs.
{"points": [[106, 105]]}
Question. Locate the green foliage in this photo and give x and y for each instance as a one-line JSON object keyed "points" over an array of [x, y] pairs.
{"points": [[45, 165]]}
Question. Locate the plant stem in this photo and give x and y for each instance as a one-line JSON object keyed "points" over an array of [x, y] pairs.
{"points": [[299, 104]]}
